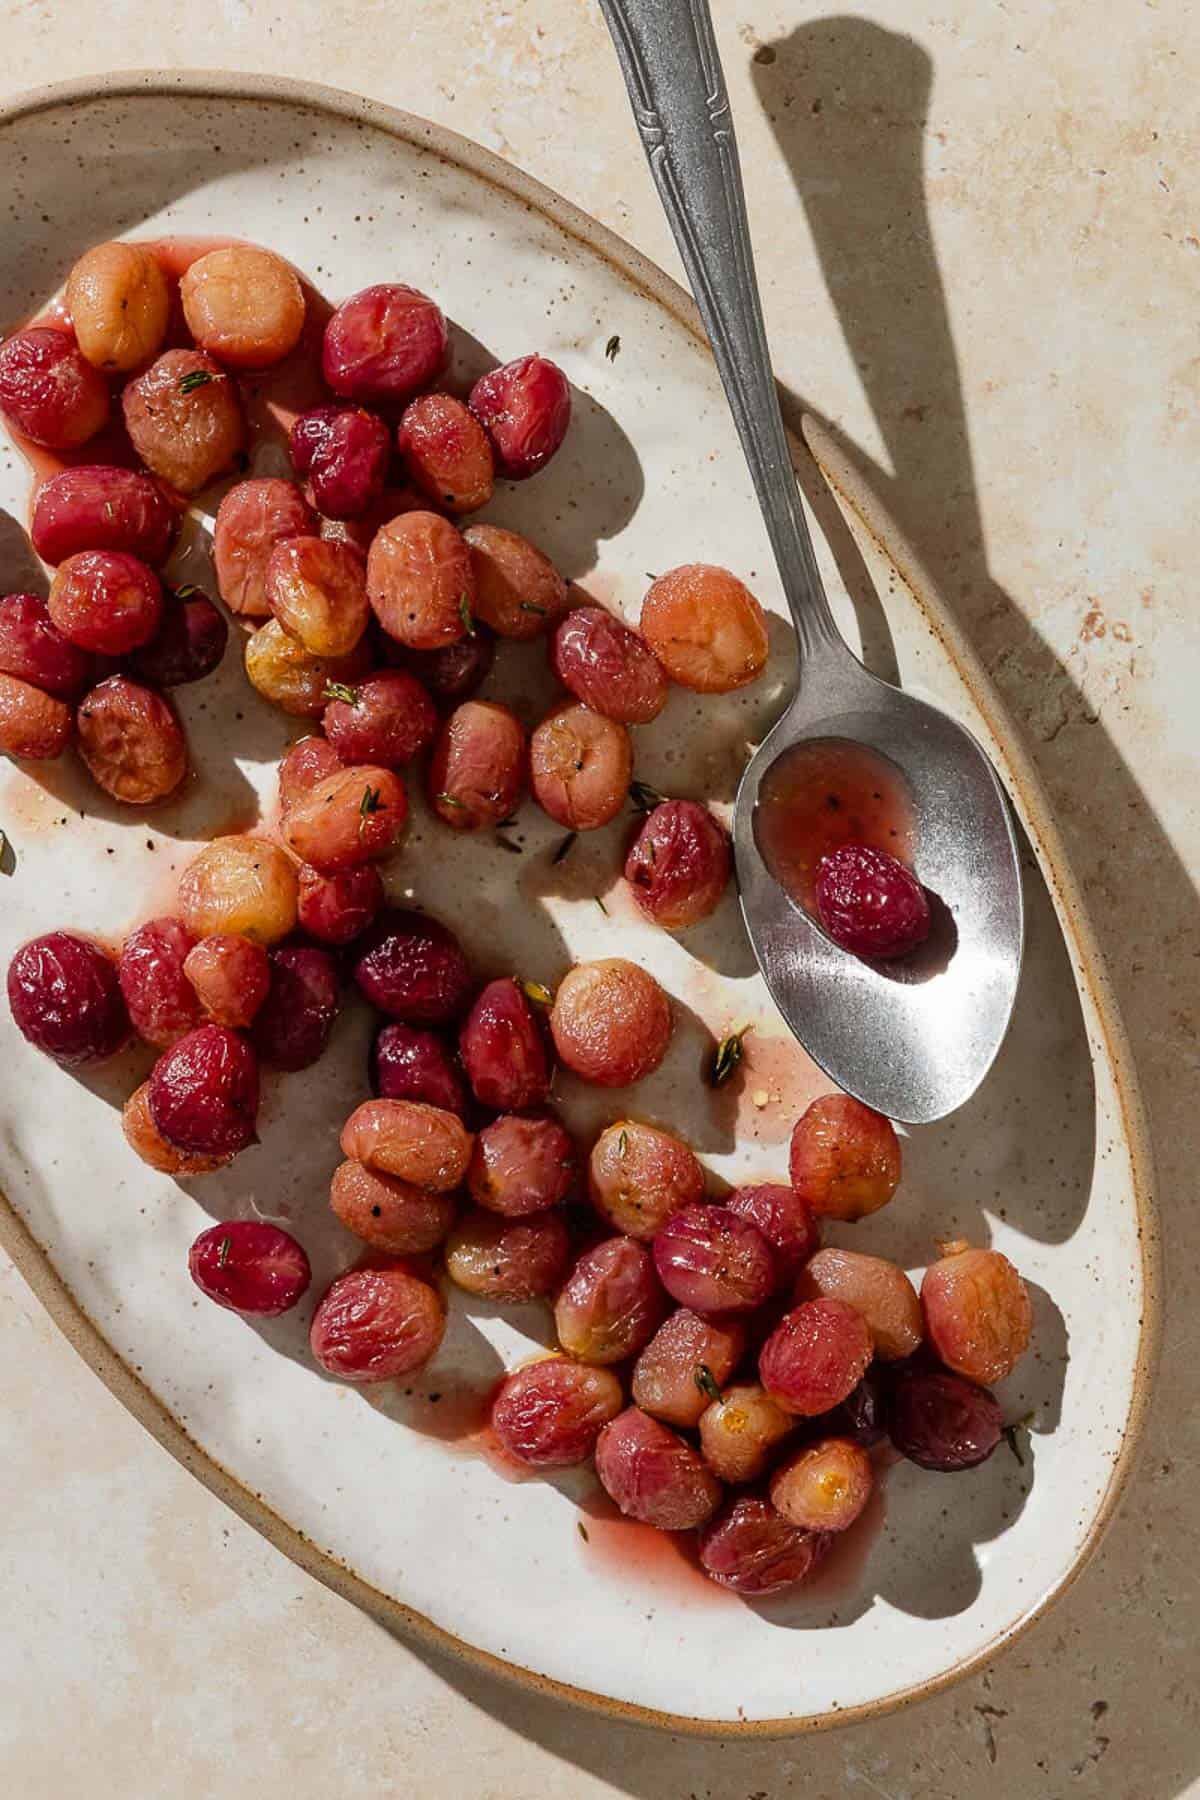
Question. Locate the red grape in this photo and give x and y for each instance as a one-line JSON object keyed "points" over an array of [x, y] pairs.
{"points": [[304, 767], [611, 1022], [753, 1550], [414, 968], [291, 1028], [338, 908], [862, 1413], [580, 766], [410, 1064], [106, 601], [66, 998], [977, 1313], [638, 1176], [376, 1324], [714, 1261], [655, 1475], [686, 1361], [942, 1421], [869, 903], [816, 1356], [239, 884], [49, 391], [452, 673], [385, 344], [386, 719], [420, 582], [518, 592], [250, 1267], [231, 976], [611, 1304], [184, 419], [120, 305], [550, 1413], [33, 725], [243, 304], [740, 1432], [161, 1000], [876, 1288], [503, 1051], [608, 666], [355, 816], [446, 453], [845, 1159], [132, 742], [98, 507], [525, 408], [388, 1213], [317, 590], [189, 643], [679, 864], [824, 1486], [477, 772], [508, 1259], [520, 1165], [204, 1092], [253, 517], [421, 1144], [706, 629], [784, 1220], [34, 650], [147, 1141], [344, 451]]}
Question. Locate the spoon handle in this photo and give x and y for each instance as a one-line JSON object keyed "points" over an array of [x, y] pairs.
{"points": [[669, 58]]}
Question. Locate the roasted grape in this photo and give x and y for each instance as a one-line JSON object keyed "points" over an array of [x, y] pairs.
{"points": [[611, 1022], [49, 390], [477, 772], [410, 1064], [508, 1259], [147, 1141], [654, 1475], [862, 1414], [740, 1432], [239, 884], [119, 305], [420, 582], [385, 344], [784, 1220], [387, 719], [714, 1261], [390, 1214], [414, 968], [845, 1159], [638, 1176], [291, 677], [453, 673], [161, 1001], [518, 591], [580, 766], [869, 903], [97, 507], [753, 1550], [503, 1051], [815, 1356], [65, 998], [184, 419], [244, 305], [421, 1144], [131, 741], [376, 1324], [318, 592], [525, 408], [188, 645], [204, 1092], [520, 1165], [679, 864], [685, 1364], [550, 1413], [33, 725], [706, 629], [344, 452], [608, 667], [304, 767], [106, 601], [231, 975], [824, 1486], [291, 1028], [356, 816], [250, 1267], [876, 1288], [446, 453], [252, 519], [33, 650], [977, 1313], [942, 1421], [338, 908], [611, 1304]]}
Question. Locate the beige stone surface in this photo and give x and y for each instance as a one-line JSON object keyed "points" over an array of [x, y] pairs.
{"points": [[980, 249]]}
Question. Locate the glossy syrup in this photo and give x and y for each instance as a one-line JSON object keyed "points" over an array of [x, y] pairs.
{"points": [[821, 794]]}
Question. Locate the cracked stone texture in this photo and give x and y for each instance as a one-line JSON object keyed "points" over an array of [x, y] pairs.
{"points": [[979, 255]]}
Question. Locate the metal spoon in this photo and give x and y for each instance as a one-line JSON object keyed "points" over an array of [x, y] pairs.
{"points": [[912, 1041]]}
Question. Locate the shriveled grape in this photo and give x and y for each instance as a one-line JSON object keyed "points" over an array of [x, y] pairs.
{"points": [[239, 884], [815, 1356], [98, 507], [876, 1288], [611, 1303], [188, 645], [385, 344], [376, 1324], [520, 1165], [33, 650], [291, 677], [740, 1432], [845, 1158], [304, 767], [420, 582], [161, 1000], [344, 451], [653, 1474], [823, 1486], [414, 968], [714, 1261], [477, 771], [356, 816], [147, 1141], [977, 1313], [611, 1022], [421, 1144], [33, 725], [550, 1413], [446, 453], [706, 629], [784, 1220], [66, 1000], [132, 742], [502, 1049], [106, 601], [638, 1176], [318, 592], [679, 864], [525, 408], [518, 591], [387, 1213], [250, 1267], [291, 1028], [387, 719], [49, 391], [338, 908], [119, 305], [942, 1421], [610, 668], [204, 1092], [755, 1551], [508, 1259], [686, 1362], [244, 305], [184, 419], [252, 519], [410, 1064], [230, 975], [580, 766]]}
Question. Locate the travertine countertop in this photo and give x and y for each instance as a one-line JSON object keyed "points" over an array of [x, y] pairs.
{"points": [[980, 256]]}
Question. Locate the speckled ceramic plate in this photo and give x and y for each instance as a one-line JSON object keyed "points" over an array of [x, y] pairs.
{"points": [[383, 1494]]}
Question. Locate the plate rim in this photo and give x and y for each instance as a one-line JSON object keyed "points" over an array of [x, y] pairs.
{"points": [[840, 472]]}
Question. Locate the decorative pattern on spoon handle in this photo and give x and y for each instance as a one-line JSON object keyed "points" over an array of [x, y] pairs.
{"points": [[676, 87]]}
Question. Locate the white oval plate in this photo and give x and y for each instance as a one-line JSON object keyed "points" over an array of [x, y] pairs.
{"points": [[377, 1493]]}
